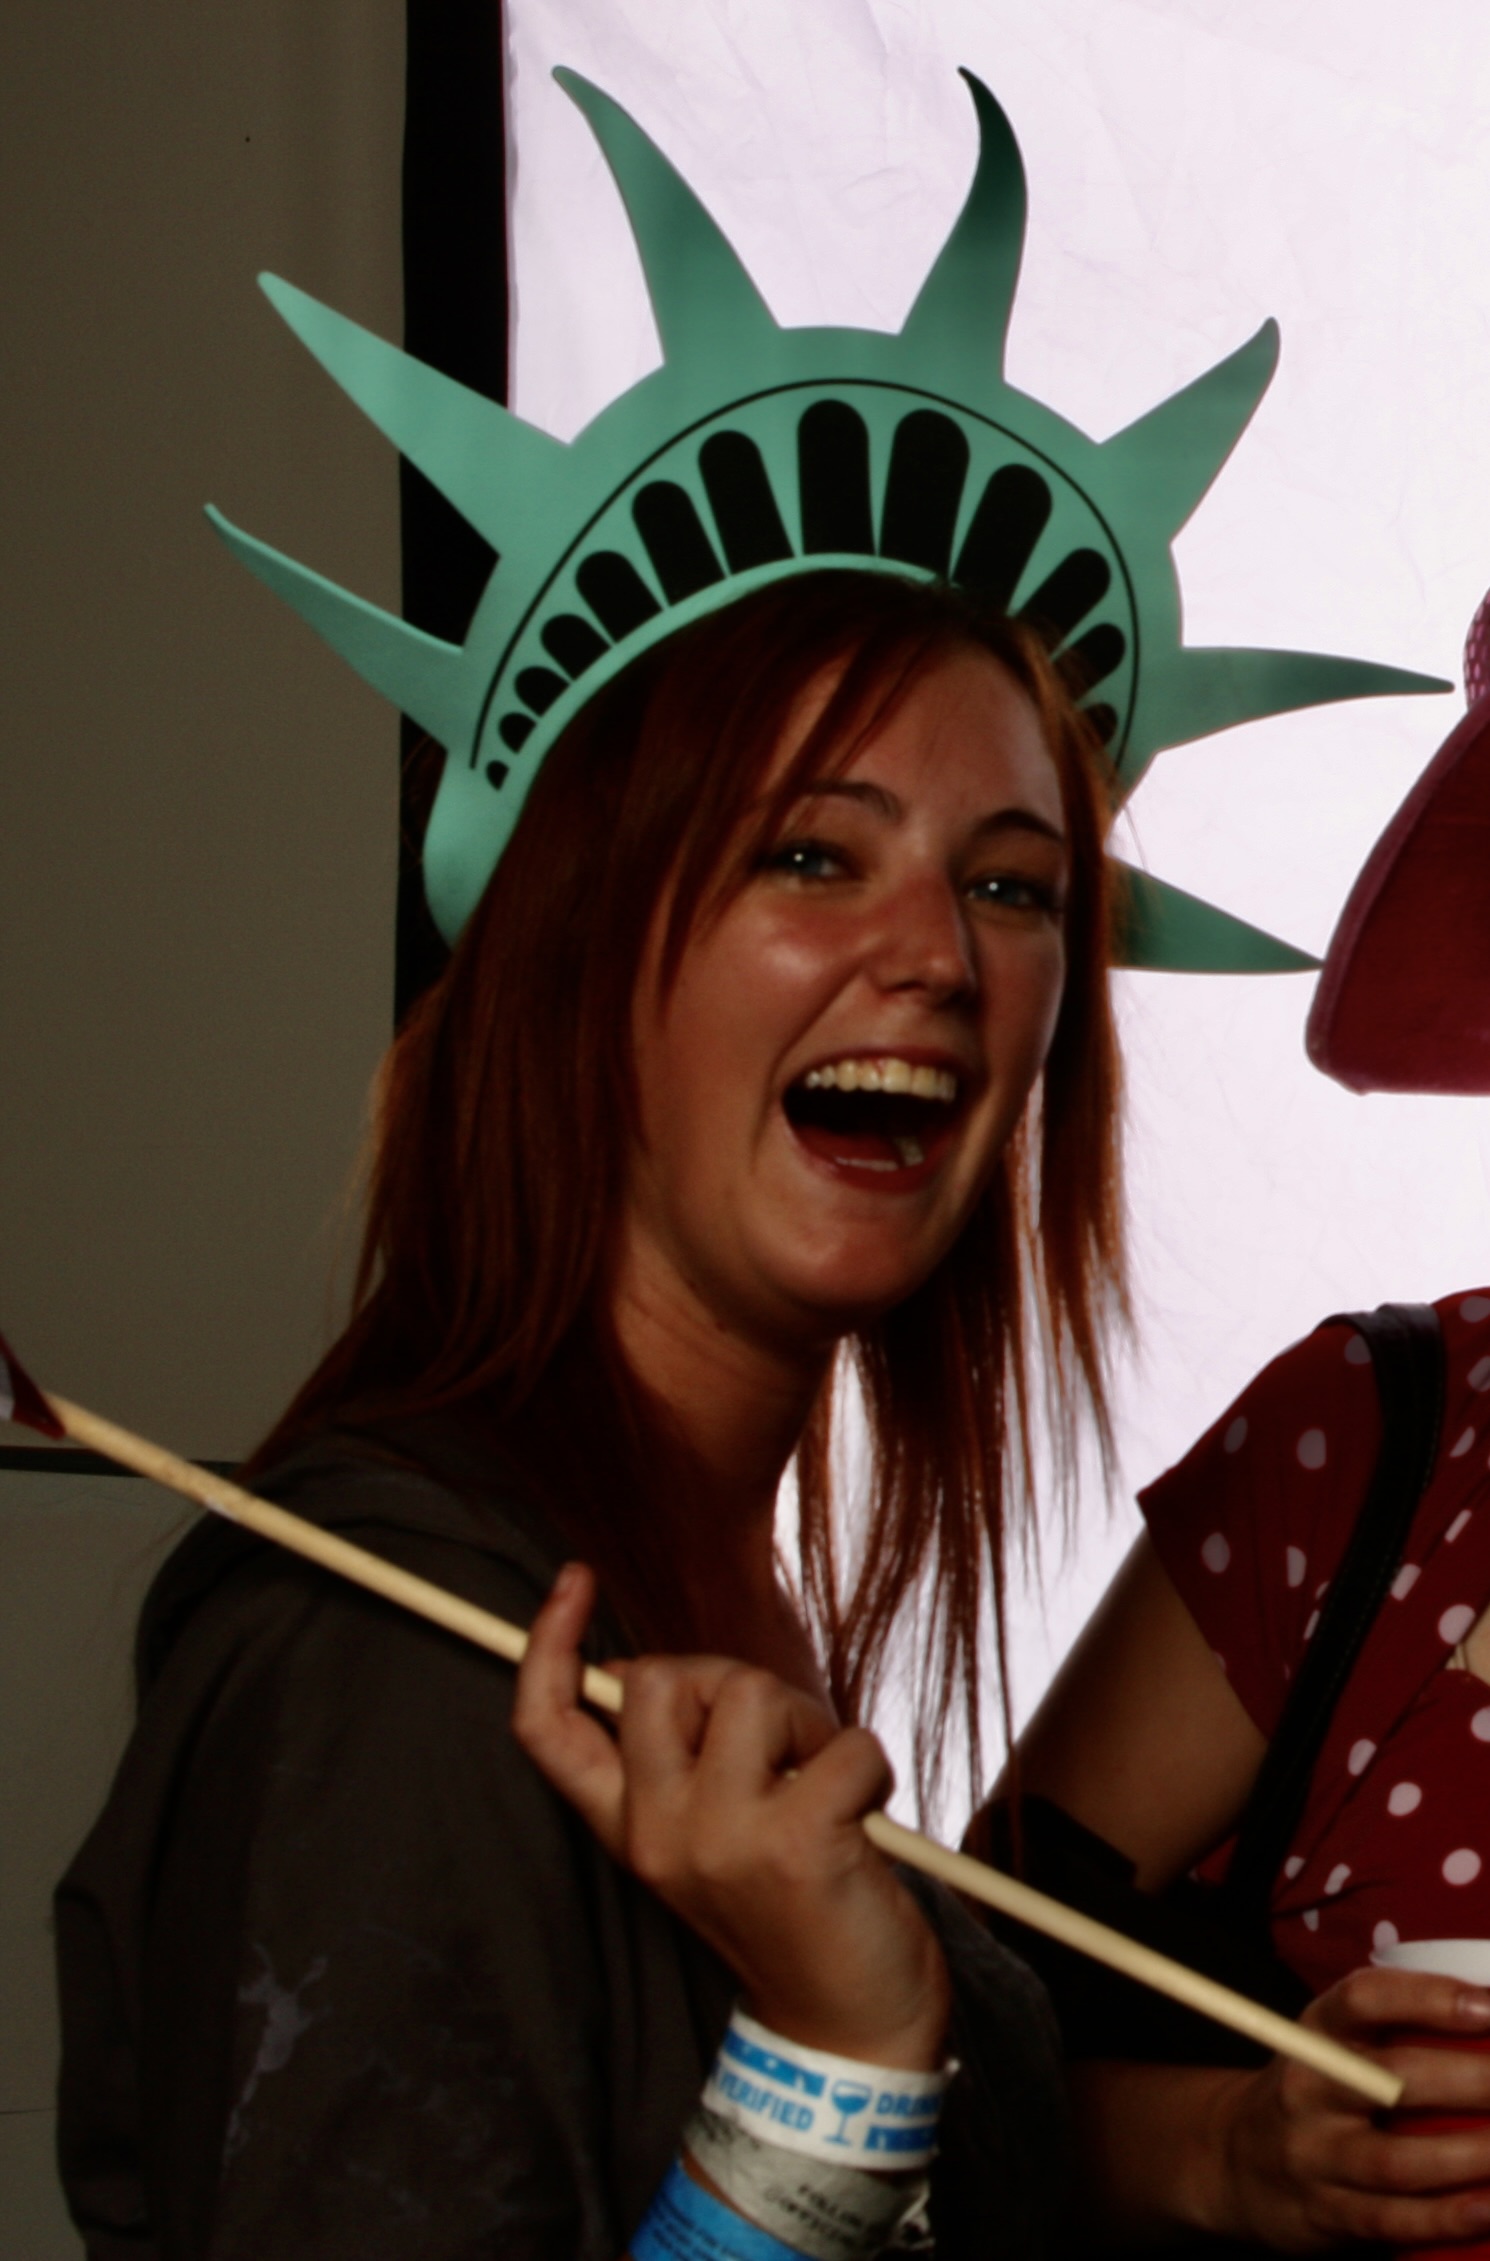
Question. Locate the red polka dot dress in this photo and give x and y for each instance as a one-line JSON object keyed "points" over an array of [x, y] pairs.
{"points": [[1251, 1526]]}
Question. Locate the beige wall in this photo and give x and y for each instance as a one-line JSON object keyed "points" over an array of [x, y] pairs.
{"points": [[78, 1553], [197, 825], [197, 805]]}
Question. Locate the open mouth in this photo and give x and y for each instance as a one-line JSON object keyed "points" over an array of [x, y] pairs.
{"points": [[885, 1116]]}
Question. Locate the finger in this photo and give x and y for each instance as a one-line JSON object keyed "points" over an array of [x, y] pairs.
{"points": [[808, 1822], [850, 1775], [562, 1738], [1446, 2079], [1402, 2160], [1374, 1999], [760, 1729], [664, 1720], [1376, 2218]]}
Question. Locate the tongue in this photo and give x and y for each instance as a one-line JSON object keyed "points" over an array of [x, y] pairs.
{"points": [[864, 1147]]}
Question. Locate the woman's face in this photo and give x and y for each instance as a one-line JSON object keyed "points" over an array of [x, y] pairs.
{"points": [[851, 1039]]}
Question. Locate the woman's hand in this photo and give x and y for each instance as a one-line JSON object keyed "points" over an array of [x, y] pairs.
{"points": [[1307, 2165], [737, 1800]]}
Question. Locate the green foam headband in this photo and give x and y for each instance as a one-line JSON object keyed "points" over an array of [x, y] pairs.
{"points": [[755, 453]]}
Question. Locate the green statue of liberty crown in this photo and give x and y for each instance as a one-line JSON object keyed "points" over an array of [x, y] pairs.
{"points": [[757, 452]]}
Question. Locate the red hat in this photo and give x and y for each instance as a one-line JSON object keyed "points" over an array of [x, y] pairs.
{"points": [[1403, 1003]]}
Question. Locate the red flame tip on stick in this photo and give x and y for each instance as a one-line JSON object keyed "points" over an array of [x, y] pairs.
{"points": [[21, 1400]]}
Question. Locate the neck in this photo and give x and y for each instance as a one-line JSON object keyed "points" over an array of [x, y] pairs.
{"points": [[740, 1405]]}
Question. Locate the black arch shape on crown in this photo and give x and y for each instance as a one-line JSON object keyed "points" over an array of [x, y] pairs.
{"points": [[923, 492], [573, 642], [514, 731], [1067, 595], [1103, 719], [615, 592], [538, 687], [673, 535], [739, 490], [1091, 658], [1012, 513], [833, 479], [1057, 472]]}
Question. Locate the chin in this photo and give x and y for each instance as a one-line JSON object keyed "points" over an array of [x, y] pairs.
{"points": [[848, 1297]]}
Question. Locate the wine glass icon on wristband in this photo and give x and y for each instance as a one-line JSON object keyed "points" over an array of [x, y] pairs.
{"points": [[846, 2098]]}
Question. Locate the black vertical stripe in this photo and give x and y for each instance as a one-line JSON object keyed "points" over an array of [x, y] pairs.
{"points": [[1009, 520], [573, 643], [928, 467], [1092, 658], [538, 687], [455, 317], [833, 468], [682, 554], [615, 592], [1067, 595], [740, 497]]}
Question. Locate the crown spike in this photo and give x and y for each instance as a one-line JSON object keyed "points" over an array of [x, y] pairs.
{"points": [[1164, 930], [421, 676], [491, 465], [1190, 693], [1166, 460], [707, 309], [722, 471], [961, 316]]}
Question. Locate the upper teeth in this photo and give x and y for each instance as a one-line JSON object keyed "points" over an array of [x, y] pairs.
{"points": [[883, 1075]]}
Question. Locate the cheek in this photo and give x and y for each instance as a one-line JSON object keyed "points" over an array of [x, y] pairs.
{"points": [[1025, 996], [751, 992], [705, 1064], [795, 952]]}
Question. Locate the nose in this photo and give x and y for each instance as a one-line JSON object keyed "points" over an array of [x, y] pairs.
{"points": [[923, 943]]}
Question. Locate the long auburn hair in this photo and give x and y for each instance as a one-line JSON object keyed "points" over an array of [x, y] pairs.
{"points": [[507, 1112]]}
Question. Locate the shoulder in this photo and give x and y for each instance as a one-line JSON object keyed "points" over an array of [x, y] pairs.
{"points": [[258, 1667], [320, 1761], [1315, 1405], [1251, 1524], [1284, 1450], [1464, 1321], [424, 1500]]}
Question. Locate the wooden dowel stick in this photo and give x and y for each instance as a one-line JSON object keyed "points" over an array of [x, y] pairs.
{"points": [[603, 1689], [1145, 1964], [363, 1568]]}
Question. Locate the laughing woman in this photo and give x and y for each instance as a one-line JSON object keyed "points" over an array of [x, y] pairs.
{"points": [[778, 1048]]}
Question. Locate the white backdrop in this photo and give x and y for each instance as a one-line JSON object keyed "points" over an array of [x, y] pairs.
{"points": [[1194, 167]]}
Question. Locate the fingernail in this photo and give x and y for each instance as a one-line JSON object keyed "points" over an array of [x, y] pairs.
{"points": [[1473, 2004]]}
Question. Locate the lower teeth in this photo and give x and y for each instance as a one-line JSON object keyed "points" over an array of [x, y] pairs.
{"points": [[909, 1150]]}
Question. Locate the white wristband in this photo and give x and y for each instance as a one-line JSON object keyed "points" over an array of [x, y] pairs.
{"points": [[828, 2107], [825, 2213]]}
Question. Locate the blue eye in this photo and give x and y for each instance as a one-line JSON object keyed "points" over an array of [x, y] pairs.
{"points": [[1018, 891], [804, 859]]}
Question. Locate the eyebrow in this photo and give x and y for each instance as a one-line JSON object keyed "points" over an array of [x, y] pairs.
{"points": [[889, 806]]}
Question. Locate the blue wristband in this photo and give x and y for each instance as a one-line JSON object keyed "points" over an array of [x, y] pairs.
{"points": [[684, 2223]]}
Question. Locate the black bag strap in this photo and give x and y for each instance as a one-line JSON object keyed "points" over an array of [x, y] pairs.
{"points": [[1406, 1349]]}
